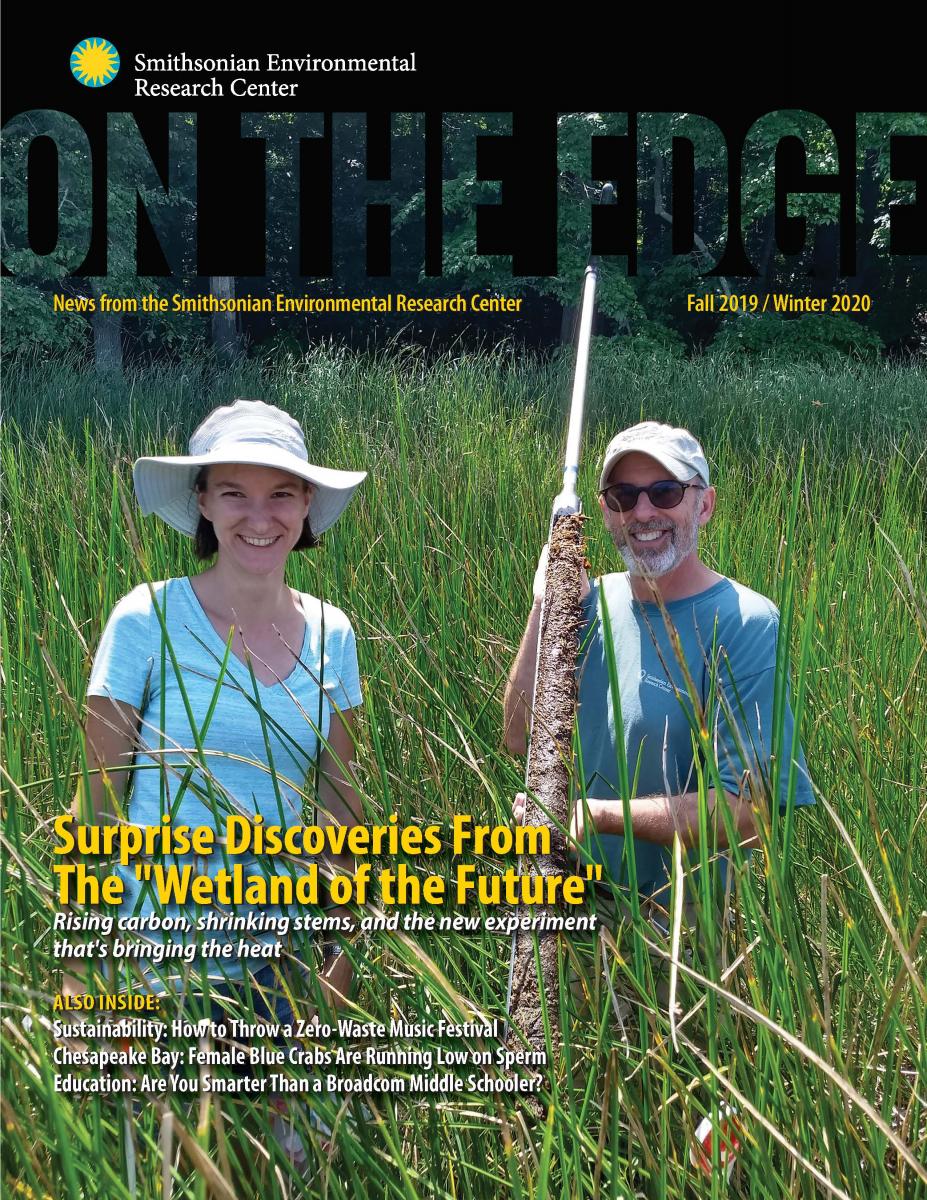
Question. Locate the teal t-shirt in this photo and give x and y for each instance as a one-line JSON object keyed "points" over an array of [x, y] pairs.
{"points": [[260, 740], [728, 636]]}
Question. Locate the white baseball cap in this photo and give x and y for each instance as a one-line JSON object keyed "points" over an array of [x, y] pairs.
{"points": [[675, 449], [249, 432]]}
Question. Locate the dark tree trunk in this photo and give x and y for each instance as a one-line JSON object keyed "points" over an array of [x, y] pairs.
{"points": [[107, 337], [867, 262], [825, 258], [225, 337], [767, 257], [568, 320]]}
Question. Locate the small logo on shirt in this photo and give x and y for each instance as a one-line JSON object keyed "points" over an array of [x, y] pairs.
{"points": [[655, 681]]}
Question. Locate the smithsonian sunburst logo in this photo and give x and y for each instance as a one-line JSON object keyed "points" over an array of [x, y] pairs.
{"points": [[94, 62]]}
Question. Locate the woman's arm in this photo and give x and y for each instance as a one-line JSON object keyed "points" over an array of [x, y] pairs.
{"points": [[110, 732], [338, 803], [338, 799]]}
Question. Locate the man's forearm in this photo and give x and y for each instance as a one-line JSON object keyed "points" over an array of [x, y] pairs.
{"points": [[519, 691], [659, 818]]}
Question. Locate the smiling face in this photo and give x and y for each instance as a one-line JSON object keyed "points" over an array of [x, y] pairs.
{"points": [[257, 513], [656, 541]]}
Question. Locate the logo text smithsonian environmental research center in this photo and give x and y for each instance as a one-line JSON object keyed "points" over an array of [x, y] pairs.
{"points": [[95, 62]]}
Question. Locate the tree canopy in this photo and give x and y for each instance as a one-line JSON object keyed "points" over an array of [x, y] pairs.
{"points": [[684, 252]]}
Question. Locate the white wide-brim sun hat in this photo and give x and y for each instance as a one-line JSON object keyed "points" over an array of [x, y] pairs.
{"points": [[252, 433]]}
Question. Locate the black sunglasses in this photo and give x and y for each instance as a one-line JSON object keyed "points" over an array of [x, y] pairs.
{"points": [[665, 493]]}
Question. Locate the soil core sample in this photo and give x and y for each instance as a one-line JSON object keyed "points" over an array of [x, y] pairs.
{"points": [[550, 766]]}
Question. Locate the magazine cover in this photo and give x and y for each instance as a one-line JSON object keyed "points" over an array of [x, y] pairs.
{"points": [[463, 628]]}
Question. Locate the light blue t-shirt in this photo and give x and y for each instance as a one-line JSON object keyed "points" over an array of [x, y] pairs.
{"points": [[244, 726], [727, 633]]}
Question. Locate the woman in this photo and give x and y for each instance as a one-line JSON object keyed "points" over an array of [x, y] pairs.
{"points": [[228, 691]]}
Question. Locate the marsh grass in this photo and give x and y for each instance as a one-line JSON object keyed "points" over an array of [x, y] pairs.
{"points": [[814, 1028]]}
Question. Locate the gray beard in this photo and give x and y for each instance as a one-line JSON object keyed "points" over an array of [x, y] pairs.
{"points": [[683, 541]]}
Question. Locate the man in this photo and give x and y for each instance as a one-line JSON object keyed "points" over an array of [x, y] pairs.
{"points": [[655, 496]]}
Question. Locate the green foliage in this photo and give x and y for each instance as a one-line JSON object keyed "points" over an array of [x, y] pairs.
{"points": [[811, 335], [648, 339], [874, 133], [759, 166], [73, 200], [656, 294], [31, 327], [662, 289]]}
